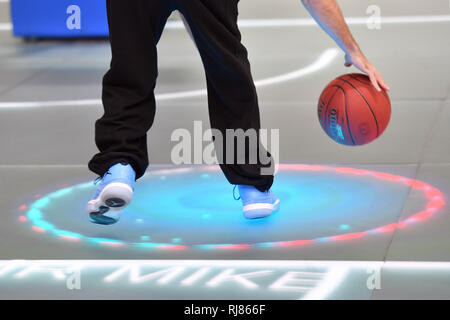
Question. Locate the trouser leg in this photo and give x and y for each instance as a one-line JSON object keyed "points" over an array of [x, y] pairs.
{"points": [[135, 27], [232, 97]]}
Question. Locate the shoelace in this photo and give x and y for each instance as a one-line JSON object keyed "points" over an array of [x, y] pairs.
{"points": [[234, 193], [100, 178]]}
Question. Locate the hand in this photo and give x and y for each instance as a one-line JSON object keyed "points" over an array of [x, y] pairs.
{"points": [[360, 62]]}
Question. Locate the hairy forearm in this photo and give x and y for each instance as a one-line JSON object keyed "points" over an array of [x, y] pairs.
{"points": [[329, 16]]}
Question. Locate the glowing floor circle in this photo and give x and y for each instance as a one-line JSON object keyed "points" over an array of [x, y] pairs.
{"points": [[193, 208]]}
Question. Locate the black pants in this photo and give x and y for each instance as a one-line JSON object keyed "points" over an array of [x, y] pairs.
{"points": [[135, 27]]}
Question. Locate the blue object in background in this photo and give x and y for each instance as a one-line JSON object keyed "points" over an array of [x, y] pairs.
{"points": [[59, 18]]}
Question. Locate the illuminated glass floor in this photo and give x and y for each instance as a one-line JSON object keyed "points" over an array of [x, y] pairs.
{"points": [[369, 222], [192, 209]]}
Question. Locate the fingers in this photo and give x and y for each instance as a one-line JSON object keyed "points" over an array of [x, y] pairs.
{"points": [[347, 62], [365, 66], [374, 80], [381, 81]]}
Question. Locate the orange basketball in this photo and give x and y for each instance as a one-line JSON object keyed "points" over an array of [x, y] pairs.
{"points": [[352, 112]]}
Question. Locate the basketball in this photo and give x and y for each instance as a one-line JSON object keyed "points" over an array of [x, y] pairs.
{"points": [[352, 112]]}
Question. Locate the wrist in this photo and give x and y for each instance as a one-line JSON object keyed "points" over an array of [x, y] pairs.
{"points": [[352, 49]]}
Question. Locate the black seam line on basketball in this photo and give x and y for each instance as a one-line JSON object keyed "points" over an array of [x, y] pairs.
{"points": [[328, 104], [382, 91], [386, 96], [346, 116], [370, 108], [373, 114], [351, 76]]}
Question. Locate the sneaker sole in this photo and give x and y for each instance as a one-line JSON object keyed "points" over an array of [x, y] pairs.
{"points": [[260, 210], [106, 209]]}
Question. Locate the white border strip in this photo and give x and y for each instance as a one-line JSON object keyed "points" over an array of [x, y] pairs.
{"points": [[333, 278], [303, 22], [308, 22], [240, 263]]}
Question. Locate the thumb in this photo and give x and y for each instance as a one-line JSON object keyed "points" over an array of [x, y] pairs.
{"points": [[347, 62]]}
